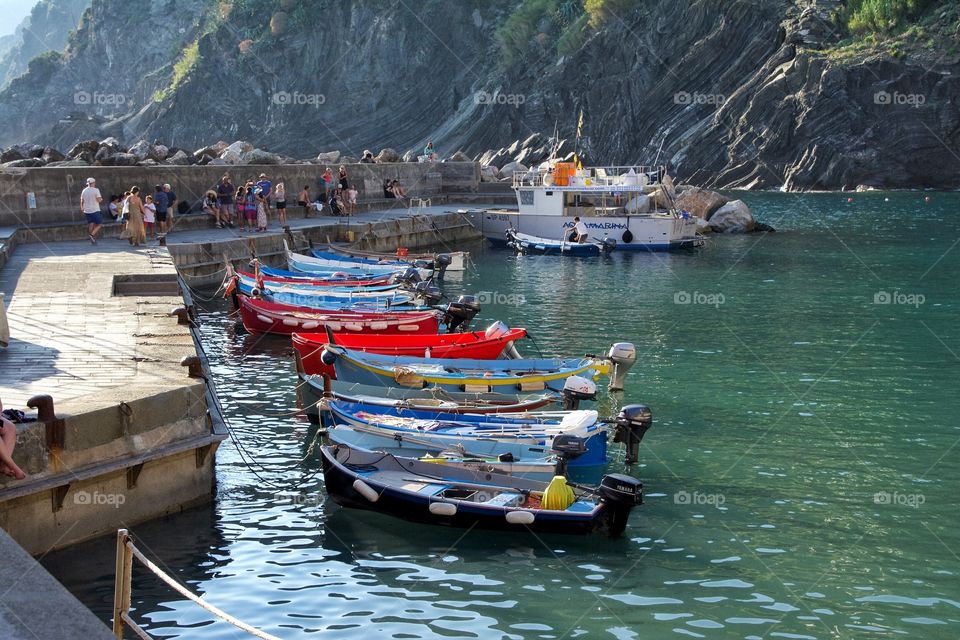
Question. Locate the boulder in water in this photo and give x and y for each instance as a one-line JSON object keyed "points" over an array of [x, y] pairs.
{"points": [[141, 149], [459, 156], [124, 160], [83, 148], [231, 156], [733, 217], [699, 202]]}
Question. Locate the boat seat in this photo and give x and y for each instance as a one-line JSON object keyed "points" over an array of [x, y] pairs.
{"points": [[506, 499]]}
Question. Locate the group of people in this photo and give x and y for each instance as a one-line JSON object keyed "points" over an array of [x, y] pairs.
{"points": [[249, 203], [141, 217]]}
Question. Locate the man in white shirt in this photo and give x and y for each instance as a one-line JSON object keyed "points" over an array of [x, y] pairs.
{"points": [[90, 200], [579, 230]]}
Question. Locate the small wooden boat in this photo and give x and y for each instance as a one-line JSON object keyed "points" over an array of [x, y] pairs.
{"points": [[260, 316], [458, 260], [307, 264], [378, 302], [312, 396], [336, 278], [314, 287], [457, 375], [424, 492], [526, 244], [477, 345], [527, 436]]}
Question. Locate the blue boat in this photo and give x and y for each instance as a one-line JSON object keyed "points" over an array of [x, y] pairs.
{"points": [[329, 275], [306, 298], [330, 291], [524, 243], [431, 493], [523, 437], [458, 375]]}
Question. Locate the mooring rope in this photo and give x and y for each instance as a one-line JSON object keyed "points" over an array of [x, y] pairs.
{"points": [[186, 593]]}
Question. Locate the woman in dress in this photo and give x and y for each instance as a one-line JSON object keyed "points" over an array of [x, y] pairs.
{"points": [[138, 234], [342, 178], [261, 210]]}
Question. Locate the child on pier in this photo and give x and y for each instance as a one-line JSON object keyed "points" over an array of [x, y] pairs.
{"points": [[241, 204], [149, 216]]}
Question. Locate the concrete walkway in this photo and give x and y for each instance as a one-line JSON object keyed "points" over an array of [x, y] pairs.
{"points": [[70, 336]]}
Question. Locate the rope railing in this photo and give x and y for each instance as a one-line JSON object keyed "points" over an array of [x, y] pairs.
{"points": [[126, 552]]}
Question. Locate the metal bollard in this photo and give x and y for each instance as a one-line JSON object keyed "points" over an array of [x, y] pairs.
{"points": [[55, 427]]}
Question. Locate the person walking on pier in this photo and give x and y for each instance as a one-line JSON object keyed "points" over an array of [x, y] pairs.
{"points": [[304, 200], [90, 200], [137, 233], [162, 204], [8, 440], [171, 207], [225, 198], [280, 197]]}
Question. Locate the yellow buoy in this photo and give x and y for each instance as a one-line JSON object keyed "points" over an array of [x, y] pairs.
{"points": [[558, 495]]}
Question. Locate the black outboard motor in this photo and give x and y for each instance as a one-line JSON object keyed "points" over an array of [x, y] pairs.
{"points": [[567, 447], [461, 313], [576, 389], [440, 264], [408, 278], [607, 245], [428, 292], [620, 493], [632, 422]]}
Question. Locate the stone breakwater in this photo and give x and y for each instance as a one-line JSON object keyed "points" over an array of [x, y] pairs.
{"points": [[110, 152]]}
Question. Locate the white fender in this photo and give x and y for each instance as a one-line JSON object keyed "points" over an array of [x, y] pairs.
{"points": [[290, 322], [378, 326], [312, 324], [263, 318], [520, 517], [353, 326], [365, 490], [443, 509]]}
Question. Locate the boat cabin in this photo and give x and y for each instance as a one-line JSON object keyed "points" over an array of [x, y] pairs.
{"points": [[564, 190]]}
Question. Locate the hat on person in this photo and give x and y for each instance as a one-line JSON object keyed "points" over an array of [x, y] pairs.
{"points": [[263, 175], [166, 185], [91, 180]]}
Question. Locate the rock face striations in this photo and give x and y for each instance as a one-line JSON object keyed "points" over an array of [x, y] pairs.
{"points": [[729, 93]]}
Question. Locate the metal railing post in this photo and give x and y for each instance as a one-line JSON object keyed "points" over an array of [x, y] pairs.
{"points": [[121, 587]]}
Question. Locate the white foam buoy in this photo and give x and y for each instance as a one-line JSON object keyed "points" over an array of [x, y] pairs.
{"points": [[520, 517], [365, 490], [443, 509]]}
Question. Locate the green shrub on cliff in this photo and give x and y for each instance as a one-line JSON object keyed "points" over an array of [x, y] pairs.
{"points": [[881, 16]]}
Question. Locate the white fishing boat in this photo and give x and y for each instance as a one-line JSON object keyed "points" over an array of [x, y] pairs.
{"points": [[611, 202]]}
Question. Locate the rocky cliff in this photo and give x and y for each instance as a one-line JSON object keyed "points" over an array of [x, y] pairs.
{"points": [[730, 93], [46, 29]]}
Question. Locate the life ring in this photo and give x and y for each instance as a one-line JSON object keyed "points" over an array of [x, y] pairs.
{"points": [[627, 236]]}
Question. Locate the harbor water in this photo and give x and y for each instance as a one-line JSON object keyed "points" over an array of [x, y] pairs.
{"points": [[799, 477]]}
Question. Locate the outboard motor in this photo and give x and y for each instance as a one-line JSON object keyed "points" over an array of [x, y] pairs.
{"points": [[607, 245], [632, 422], [440, 264], [408, 278], [428, 292], [575, 389], [623, 355], [567, 447], [461, 313], [620, 494]]}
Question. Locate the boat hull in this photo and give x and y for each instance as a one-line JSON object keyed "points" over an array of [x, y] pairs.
{"points": [[646, 232], [474, 345], [341, 485], [310, 392], [260, 316]]}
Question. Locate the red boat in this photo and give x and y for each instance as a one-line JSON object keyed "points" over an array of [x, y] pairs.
{"points": [[260, 316], [476, 345], [322, 282]]}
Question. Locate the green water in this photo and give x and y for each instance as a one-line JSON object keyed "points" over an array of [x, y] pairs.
{"points": [[799, 477]]}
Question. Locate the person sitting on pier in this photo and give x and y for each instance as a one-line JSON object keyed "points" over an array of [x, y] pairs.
{"points": [[367, 157], [336, 203], [8, 440], [393, 189]]}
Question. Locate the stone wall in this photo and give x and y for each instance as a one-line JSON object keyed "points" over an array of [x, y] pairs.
{"points": [[57, 189]]}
